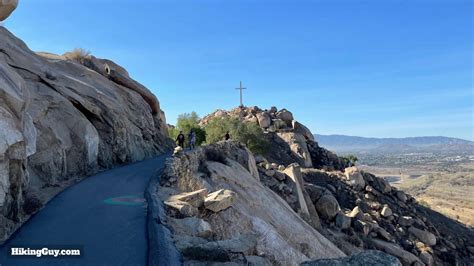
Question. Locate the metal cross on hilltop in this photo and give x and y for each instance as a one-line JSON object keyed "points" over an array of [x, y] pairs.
{"points": [[241, 89]]}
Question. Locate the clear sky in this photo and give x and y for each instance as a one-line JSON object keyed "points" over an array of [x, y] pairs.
{"points": [[369, 68]]}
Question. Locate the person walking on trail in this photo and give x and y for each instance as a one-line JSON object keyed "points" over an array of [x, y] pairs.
{"points": [[227, 136], [180, 139], [192, 139]]}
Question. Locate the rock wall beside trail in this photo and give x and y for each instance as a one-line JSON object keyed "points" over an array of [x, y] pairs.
{"points": [[219, 211], [62, 119]]}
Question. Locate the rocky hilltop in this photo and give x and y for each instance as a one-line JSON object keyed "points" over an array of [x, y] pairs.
{"points": [[290, 140], [296, 204], [65, 117]]}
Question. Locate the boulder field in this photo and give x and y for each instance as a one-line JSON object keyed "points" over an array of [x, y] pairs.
{"points": [[63, 118], [278, 209]]}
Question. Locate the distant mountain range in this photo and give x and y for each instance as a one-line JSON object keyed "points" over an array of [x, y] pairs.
{"points": [[342, 143]]}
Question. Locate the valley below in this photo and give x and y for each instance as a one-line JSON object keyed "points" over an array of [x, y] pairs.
{"points": [[442, 182], [437, 171]]}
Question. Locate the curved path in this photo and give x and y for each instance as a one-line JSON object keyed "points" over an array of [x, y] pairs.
{"points": [[104, 214]]}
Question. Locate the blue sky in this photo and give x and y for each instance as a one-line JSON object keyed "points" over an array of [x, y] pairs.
{"points": [[369, 68]]}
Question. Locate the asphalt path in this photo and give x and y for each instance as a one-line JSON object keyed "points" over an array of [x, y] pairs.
{"points": [[104, 216]]}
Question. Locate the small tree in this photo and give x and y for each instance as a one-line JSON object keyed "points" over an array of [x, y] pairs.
{"points": [[248, 133], [185, 123], [350, 159]]}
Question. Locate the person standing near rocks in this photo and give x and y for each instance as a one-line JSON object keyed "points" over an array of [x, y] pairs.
{"points": [[227, 136], [192, 139], [180, 139]]}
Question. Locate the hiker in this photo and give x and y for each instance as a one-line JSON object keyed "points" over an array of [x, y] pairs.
{"points": [[180, 139], [227, 136], [192, 139]]}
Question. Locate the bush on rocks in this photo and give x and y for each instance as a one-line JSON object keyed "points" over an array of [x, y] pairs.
{"points": [[248, 133], [187, 122]]}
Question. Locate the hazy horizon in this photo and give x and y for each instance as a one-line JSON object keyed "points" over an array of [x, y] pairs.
{"points": [[363, 68], [369, 137]]}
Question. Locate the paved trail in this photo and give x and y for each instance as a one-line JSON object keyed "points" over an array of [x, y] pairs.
{"points": [[104, 214]]}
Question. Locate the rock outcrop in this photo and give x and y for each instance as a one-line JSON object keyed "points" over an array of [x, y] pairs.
{"points": [[291, 141], [6, 8], [249, 222], [63, 119], [353, 209]]}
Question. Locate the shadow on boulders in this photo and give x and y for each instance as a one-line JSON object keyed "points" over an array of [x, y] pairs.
{"points": [[385, 218]]}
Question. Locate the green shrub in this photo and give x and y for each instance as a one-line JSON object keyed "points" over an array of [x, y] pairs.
{"points": [[185, 123], [248, 133], [350, 159], [173, 132]]}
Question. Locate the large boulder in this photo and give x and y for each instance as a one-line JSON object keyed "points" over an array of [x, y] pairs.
{"points": [[424, 236], [343, 221], [356, 213], [405, 220], [386, 211], [355, 178], [404, 256], [315, 192], [182, 208], [381, 184], [327, 205], [6, 8], [219, 200], [264, 119], [401, 196], [294, 172], [250, 118], [194, 198], [302, 129], [362, 227], [298, 146], [427, 258], [285, 116]]}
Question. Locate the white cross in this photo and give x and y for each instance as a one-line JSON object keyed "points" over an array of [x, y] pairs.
{"points": [[241, 89]]}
